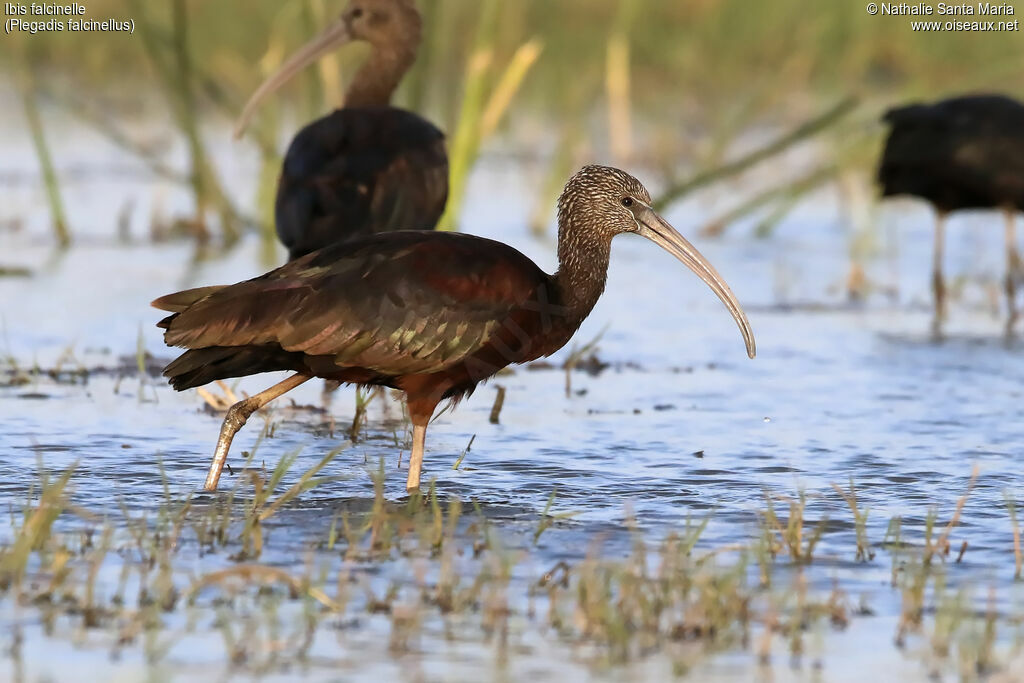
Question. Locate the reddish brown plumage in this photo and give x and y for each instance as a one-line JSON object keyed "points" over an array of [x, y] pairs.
{"points": [[437, 305], [432, 314]]}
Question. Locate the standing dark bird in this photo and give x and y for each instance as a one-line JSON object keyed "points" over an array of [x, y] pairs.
{"points": [[368, 167], [960, 153], [430, 313]]}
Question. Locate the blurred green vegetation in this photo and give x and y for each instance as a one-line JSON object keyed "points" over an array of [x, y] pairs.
{"points": [[687, 79], [688, 54]]}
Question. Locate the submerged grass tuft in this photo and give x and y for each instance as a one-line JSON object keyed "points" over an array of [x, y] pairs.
{"points": [[860, 520], [791, 534], [420, 571]]}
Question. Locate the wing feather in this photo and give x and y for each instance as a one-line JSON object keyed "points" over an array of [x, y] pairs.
{"points": [[396, 303]]}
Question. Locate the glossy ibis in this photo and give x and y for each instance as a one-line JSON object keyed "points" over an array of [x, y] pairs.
{"points": [[960, 153], [430, 313], [368, 167]]}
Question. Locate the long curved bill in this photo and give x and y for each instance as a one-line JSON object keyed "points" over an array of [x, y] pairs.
{"points": [[657, 229], [333, 37]]}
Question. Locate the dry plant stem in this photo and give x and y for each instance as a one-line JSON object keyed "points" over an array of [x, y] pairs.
{"points": [[786, 191], [102, 125], [174, 67], [262, 574], [187, 110], [617, 87], [480, 112], [362, 403], [864, 552], [305, 482], [942, 545], [50, 183], [499, 401], [236, 417], [419, 439], [804, 130], [617, 82], [215, 402], [36, 528], [458, 461], [218, 403], [963, 549], [98, 121], [466, 141], [228, 393], [508, 85]]}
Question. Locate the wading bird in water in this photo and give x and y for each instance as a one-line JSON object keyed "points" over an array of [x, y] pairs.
{"points": [[367, 167], [429, 313], [961, 153]]}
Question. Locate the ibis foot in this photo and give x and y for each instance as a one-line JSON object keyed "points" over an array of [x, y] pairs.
{"points": [[237, 416]]}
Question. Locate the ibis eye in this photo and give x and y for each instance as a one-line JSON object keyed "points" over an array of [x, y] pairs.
{"points": [[627, 201], [357, 12]]}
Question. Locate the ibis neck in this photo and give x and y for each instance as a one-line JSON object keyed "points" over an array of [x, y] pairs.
{"points": [[581, 276], [379, 76]]}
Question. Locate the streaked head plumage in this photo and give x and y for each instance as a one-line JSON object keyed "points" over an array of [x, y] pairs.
{"points": [[603, 198], [382, 22]]}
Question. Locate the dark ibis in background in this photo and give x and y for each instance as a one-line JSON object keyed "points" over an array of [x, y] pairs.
{"points": [[429, 313], [367, 167], [960, 153]]}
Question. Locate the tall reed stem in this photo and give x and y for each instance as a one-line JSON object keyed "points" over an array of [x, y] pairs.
{"points": [[50, 183]]}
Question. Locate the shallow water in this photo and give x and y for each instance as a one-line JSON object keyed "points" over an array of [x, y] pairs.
{"points": [[680, 426]]}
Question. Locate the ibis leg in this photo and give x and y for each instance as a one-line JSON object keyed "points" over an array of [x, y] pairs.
{"points": [[422, 396], [419, 440], [938, 283], [1013, 271], [236, 417]]}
